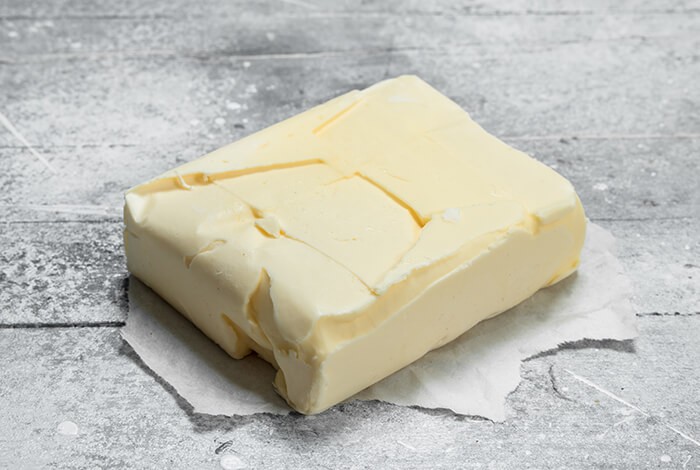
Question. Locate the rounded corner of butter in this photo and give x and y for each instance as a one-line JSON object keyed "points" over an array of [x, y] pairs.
{"points": [[560, 208], [135, 208]]}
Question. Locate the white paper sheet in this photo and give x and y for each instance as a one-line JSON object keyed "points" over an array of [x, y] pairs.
{"points": [[473, 375]]}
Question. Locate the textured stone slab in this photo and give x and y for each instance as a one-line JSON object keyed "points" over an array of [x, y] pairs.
{"points": [[324, 30], [62, 273], [89, 100], [125, 418]]}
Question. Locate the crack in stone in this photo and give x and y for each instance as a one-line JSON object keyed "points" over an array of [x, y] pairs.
{"points": [[555, 385]]}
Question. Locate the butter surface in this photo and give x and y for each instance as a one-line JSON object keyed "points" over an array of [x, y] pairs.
{"points": [[346, 242]]}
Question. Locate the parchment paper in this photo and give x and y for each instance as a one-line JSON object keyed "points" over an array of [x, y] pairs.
{"points": [[472, 375]]}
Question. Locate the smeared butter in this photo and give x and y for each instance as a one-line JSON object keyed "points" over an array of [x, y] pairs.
{"points": [[346, 242]]}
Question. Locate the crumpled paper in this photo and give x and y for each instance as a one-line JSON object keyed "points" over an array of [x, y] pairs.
{"points": [[472, 375]]}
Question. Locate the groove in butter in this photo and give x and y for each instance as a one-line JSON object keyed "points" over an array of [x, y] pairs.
{"points": [[346, 242]]}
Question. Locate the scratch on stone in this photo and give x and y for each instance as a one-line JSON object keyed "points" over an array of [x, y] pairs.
{"points": [[300, 3], [623, 421], [125, 53], [575, 136], [407, 446], [629, 418], [13, 130], [630, 405], [210, 56], [76, 146], [685, 464]]}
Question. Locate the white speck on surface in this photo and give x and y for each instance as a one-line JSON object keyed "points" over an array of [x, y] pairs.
{"points": [[687, 247], [245, 120], [12, 34], [665, 458], [67, 428], [600, 187], [194, 122], [270, 36], [76, 45], [231, 462], [220, 121], [452, 215], [252, 89], [233, 106], [246, 64]]}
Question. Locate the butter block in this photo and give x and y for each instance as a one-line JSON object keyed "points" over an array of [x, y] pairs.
{"points": [[346, 242]]}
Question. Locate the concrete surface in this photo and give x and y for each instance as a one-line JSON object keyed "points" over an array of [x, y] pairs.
{"points": [[113, 93]]}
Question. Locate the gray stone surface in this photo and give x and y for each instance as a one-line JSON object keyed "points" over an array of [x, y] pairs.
{"points": [[113, 93], [126, 418]]}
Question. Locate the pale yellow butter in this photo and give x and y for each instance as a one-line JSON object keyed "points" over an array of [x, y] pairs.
{"points": [[346, 242]]}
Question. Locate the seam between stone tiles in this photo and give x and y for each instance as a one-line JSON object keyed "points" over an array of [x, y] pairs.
{"points": [[49, 325], [369, 13], [668, 314]]}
